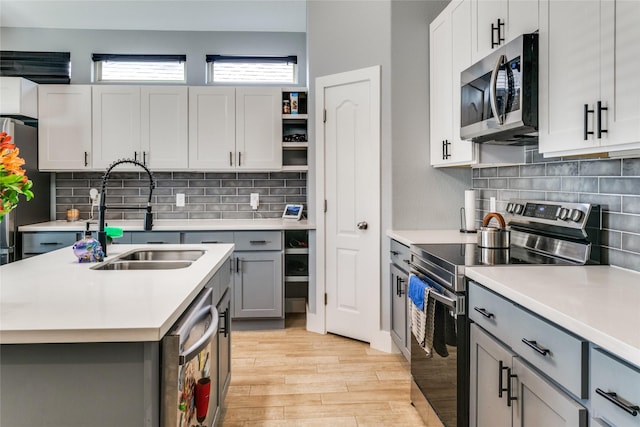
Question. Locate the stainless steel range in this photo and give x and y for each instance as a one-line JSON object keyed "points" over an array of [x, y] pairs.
{"points": [[542, 232]]}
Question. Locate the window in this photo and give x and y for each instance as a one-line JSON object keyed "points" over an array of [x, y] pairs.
{"points": [[252, 69], [40, 67], [139, 68]]}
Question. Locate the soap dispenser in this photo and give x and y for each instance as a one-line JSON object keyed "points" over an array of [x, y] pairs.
{"points": [[88, 249]]}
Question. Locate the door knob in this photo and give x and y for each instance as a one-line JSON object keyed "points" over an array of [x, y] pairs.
{"points": [[362, 225]]}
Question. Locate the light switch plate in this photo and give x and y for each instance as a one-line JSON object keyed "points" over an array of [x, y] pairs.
{"points": [[255, 201], [180, 200]]}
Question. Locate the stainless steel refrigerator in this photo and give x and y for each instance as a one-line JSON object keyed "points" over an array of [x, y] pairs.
{"points": [[37, 209]]}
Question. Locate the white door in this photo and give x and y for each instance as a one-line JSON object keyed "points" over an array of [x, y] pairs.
{"points": [[164, 129], [259, 128], [64, 127], [116, 124], [212, 127], [352, 194]]}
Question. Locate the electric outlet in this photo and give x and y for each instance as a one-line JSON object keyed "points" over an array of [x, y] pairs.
{"points": [[255, 201], [180, 200]]}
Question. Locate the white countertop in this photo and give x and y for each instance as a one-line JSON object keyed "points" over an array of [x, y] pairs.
{"points": [[410, 237], [51, 298], [179, 225], [598, 303]]}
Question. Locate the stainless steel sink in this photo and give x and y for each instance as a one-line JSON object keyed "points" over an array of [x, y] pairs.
{"points": [[119, 264], [163, 255]]}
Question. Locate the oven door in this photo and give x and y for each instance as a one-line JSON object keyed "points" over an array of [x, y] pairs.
{"points": [[442, 376]]}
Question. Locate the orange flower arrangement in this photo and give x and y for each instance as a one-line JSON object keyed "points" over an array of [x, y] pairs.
{"points": [[13, 180]]}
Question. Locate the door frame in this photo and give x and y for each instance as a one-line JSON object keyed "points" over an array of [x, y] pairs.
{"points": [[317, 321]]}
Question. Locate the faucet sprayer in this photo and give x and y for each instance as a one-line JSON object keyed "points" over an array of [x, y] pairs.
{"points": [[148, 218]]}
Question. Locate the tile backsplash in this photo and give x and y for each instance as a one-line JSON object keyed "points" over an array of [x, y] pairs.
{"points": [[614, 184], [207, 195]]}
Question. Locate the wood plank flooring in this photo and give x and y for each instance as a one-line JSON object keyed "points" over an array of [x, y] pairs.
{"points": [[292, 377]]}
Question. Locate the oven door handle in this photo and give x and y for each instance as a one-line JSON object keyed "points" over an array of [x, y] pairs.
{"points": [[449, 302]]}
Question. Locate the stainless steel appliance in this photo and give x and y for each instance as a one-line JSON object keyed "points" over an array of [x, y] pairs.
{"points": [[499, 95], [37, 209], [189, 379], [542, 232]]}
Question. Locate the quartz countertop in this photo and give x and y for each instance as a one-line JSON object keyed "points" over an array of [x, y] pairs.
{"points": [[410, 237], [178, 225], [599, 303], [51, 298]]}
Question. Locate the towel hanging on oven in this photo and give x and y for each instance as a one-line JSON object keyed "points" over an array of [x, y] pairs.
{"points": [[422, 318]]}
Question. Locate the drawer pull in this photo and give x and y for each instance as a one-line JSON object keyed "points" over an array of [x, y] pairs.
{"points": [[501, 368], [484, 312], [534, 345], [209, 241], [619, 402], [155, 242], [258, 242], [50, 243], [395, 253]]}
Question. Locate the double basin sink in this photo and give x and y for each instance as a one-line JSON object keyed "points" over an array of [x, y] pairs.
{"points": [[152, 259]]}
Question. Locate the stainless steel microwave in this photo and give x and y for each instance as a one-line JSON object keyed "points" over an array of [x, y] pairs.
{"points": [[499, 95]]}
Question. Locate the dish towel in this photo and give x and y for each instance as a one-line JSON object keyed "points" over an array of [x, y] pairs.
{"points": [[423, 308]]}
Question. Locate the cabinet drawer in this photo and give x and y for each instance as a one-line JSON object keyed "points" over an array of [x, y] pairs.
{"points": [[559, 354], [608, 376], [399, 255], [155, 237], [39, 243], [492, 312], [258, 240], [208, 237]]}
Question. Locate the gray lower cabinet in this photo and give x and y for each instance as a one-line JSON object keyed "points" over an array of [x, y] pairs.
{"points": [[41, 242], [258, 285], [155, 237], [399, 286], [257, 271], [506, 391]]}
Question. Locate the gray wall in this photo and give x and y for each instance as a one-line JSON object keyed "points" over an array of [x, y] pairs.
{"points": [[614, 184], [195, 44]]}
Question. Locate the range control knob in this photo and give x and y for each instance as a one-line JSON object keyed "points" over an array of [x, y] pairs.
{"points": [[518, 208], [563, 214], [575, 215]]}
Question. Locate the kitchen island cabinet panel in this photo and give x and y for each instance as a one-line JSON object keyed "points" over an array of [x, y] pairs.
{"points": [[40, 243]]}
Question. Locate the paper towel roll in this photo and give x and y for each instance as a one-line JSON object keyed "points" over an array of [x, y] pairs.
{"points": [[470, 210]]}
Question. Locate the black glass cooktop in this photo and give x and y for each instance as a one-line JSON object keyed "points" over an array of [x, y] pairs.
{"points": [[470, 254]]}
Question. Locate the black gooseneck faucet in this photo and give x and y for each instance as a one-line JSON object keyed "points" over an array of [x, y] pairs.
{"points": [[148, 218]]}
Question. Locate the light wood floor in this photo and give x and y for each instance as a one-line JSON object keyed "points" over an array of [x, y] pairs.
{"points": [[292, 377]]}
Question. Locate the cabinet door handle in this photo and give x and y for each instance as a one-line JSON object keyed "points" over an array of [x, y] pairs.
{"points": [[401, 287], [501, 387], [258, 242], [230, 158], [497, 29], [86, 158], [135, 156], [612, 397], [587, 111], [225, 317], [599, 129], [237, 265], [510, 397], [484, 312], [239, 158], [395, 253], [537, 347], [144, 157]]}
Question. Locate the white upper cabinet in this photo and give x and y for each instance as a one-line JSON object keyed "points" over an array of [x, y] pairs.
{"points": [[212, 128], [496, 22], [145, 123], [450, 53], [258, 128], [588, 86], [164, 129], [116, 124], [18, 96], [64, 127]]}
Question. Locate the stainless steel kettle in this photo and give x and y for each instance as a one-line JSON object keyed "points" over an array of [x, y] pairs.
{"points": [[494, 237]]}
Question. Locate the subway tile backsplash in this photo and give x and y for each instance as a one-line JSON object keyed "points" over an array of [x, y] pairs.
{"points": [[614, 184], [207, 195]]}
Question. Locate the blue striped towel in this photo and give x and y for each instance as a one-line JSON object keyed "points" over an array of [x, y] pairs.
{"points": [[416, 291]]}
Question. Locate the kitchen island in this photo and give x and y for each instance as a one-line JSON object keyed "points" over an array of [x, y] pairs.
{"points": [[80, 346]]}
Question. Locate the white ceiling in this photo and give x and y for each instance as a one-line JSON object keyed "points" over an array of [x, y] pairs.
{"points": [[172, 15]]}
